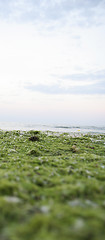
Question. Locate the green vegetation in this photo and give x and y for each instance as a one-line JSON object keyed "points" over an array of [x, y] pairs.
{"points": [[52, 186]]}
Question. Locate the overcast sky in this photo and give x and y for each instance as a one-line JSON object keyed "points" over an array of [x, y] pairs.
{"points": [[52, 61]]}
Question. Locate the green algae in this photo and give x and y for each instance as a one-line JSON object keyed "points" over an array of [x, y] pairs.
{"points": [[52, 185]]}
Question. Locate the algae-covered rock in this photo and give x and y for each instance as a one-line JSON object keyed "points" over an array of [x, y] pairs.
{"points": [[34, 152], [52, 186], [75, 149]]}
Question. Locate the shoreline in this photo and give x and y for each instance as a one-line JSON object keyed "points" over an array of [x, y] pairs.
{"points": [[56, 133], [52, 127]]}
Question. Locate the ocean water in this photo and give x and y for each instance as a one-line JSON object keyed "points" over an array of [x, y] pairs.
{"points": [[55, 128]]}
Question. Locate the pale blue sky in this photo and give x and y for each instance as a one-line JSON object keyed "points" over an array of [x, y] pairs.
{"points": [[52, 61]]}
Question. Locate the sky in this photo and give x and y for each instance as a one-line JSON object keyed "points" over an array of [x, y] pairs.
{"points": [[52, 61]]}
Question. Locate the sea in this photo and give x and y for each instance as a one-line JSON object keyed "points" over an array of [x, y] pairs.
{"points": [[53, 128]]}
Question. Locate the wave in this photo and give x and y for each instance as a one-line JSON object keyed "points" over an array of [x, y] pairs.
{"points": [[49, 127], [81, 127]]}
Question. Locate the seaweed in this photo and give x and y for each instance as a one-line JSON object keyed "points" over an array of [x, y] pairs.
{"points": [[52, 185]]}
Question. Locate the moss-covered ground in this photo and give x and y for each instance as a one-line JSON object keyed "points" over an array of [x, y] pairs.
{"points": [[52, 186]]}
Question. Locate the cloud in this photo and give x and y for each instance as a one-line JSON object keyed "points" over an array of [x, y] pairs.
{"points": [[96, 75], [54, 13], [57, 89], [93, 83]]}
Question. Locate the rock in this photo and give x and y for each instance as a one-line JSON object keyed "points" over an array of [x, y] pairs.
{"points": [[34, 138]]}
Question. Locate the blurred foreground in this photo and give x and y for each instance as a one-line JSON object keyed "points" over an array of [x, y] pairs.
{"points": [[52, 185]]}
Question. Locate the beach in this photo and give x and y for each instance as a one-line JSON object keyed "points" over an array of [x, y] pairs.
{"points": [[52, 184]]}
